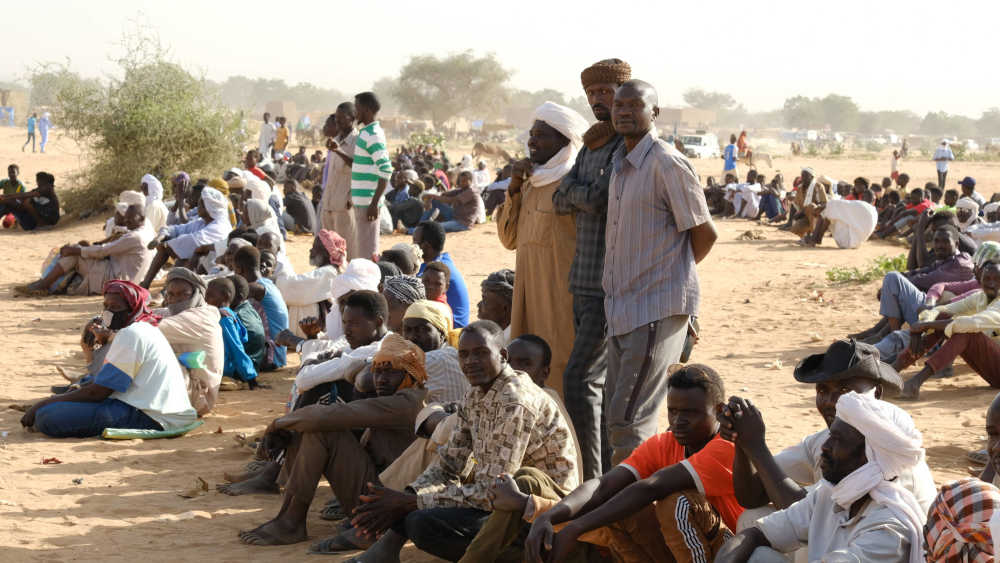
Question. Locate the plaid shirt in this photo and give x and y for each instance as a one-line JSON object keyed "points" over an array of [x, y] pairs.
{"points": [[513, 424], [584, 191]]}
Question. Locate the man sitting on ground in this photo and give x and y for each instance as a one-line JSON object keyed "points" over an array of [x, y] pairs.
{"points": [[497, 300], [299, 209], [400, 292], [140, 385], [672, 499], [436, 278], [37, 208], [329, 447], [125, 258], [456, 210], [308, 295], [246, 262], [760, 478], [256, 344], [851, 221], [182, 242], [506, 423], [237, 364], [191, 325], [858, 512], [430, 237]]}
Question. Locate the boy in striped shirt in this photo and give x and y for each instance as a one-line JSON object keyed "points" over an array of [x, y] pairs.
{"points": [[370, 172]]}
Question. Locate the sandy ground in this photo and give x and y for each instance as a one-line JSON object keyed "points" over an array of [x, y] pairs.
{"points": [[764, 302]]}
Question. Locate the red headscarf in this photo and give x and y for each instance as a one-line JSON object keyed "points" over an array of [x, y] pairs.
{"points": [[335, 246], [137, 299]]}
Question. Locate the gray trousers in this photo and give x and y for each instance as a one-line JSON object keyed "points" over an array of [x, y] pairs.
{"points": [[637, 381], [583, 383]]}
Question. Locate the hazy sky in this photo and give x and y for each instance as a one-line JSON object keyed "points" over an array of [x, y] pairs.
{"points": [[919, 55]]}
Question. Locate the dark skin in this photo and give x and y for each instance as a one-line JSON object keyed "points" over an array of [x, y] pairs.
{"points": [[92, 393], [424, 334], [164, 252], [633, 113], [544, 141], [494, 307], [600, 96], [341, 126], [429, 252], [45, 189], [992, 440], [365, 116], [397, 309], [990, 282], [617, 494], [757, 478], [435, 284], [843, 453], [482, 359]]}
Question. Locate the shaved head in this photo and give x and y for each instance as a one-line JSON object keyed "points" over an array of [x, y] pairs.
{"points": [[644, 89]]}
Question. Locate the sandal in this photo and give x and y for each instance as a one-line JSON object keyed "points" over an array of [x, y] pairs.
{"points": [[340, 543], [333, 510], [981, 457]]}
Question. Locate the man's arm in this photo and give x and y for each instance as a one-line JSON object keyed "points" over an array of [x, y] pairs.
{"points": [[393, 411], [703, 237], [739, 548], [373, 206], [574, 195]]}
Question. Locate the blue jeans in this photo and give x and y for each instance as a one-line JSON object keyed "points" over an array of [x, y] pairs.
{"points": [[900, 298], [84, 420], [771, 205], [893, 343], [442, 532], [446, 218]]}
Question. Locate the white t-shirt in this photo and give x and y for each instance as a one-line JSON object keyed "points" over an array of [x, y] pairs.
{"points": [[943, 152], [143, 372], [851, 221]]}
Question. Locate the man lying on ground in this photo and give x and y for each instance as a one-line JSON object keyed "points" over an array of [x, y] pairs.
{"points": [[507, 423], [858, 512], [140, 385], [781, 480], [328, 446], [192, 325], [125, 258], [968, 327], [672, 499]]}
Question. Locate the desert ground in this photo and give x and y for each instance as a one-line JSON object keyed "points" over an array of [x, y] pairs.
{"points": [[766, 304]]}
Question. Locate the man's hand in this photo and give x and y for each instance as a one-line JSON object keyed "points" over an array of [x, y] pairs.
{"points": [[748, 424], [28, 420], [69, 250], [380, 508], [520, 171], [311, 327], [287, 338], [562, 544], [539, 541], [925, 326], [505, 495], [372, 213], [102, 334], [331, 144]]}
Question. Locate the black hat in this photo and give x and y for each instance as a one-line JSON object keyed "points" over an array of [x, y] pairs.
{"points": [[845, 359]]}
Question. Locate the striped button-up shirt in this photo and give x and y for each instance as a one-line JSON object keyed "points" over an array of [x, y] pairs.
{"points": [[371, 164], [584, 191], [649, 269]]}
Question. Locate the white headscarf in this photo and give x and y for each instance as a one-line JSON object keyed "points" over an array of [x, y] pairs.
{"points": [[971, 205], [216, 204], [892, 445], [990, 208], [154, 187], [811, 188], [258, 188], [129, 198], [572, 125], [360, 274], [260, 217]]}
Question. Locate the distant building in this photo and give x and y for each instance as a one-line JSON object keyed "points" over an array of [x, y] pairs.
{"points": [[685, 118]]}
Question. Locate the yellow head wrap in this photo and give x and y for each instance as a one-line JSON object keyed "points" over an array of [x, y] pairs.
{"points": [[433, 312], [399, 353]]}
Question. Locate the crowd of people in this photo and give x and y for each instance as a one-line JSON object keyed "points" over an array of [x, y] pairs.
{"points": [[528, 431]]}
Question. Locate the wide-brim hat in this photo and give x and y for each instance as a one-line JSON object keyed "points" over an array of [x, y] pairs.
{"points": [[845, 359]]}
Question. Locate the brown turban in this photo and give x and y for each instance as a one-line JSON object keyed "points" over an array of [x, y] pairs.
{"points": [[396, 352], [609, 70]]}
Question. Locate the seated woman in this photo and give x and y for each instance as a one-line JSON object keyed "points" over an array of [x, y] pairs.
{"points": [[307, 295], [139, 387], [126, 257], [183, 242]]}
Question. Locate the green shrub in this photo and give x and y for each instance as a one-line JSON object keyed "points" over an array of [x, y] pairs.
{"points": [[877, 269], [156, 118]]}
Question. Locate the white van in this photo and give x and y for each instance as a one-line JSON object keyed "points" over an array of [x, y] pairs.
{"points": [[702, 145]]}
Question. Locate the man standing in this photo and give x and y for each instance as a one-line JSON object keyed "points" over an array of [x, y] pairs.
{"points": [[267, 136], [729, 156], [370, 173], [31, 132], [942, 155], [44, 124], [545, 242], [281, 136], [659, 227], [335, 206], [584, 193]]}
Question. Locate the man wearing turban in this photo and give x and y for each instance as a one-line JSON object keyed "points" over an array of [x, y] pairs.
{"points": [[583, 193], [545, 242], [305, 294], [329, 446]]}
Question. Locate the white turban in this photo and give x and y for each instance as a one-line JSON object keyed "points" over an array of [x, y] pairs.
{"points": [[360, 274], [129, 198], [572, 125], [154, 187], [990, 208], [258, 188], [971, 205], [216, 203], [892, 445]]}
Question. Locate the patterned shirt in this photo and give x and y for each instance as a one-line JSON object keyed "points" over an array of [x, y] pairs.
{"points": [[371, 164], [584, 191], [445, 381], [512, 425], [653, 200]]}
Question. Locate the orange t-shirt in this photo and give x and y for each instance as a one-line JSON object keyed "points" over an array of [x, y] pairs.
{"points": [[711, 468]]}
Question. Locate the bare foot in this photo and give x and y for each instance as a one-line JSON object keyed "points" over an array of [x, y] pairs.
{"points": [[262, 483], [274, 532], [506, 495], [385, 550], [251, 470], [911, 390]]}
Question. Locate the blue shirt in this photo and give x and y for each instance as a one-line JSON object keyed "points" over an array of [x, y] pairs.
{"points": [[277, 316], [458, 296], [730, 155], [238, 364], [31, 125]]}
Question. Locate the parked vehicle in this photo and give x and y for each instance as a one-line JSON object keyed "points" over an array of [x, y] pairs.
{"points": [[702, 145]]}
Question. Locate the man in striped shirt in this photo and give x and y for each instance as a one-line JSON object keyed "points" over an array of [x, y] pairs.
{"points": [[370, 172]]}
